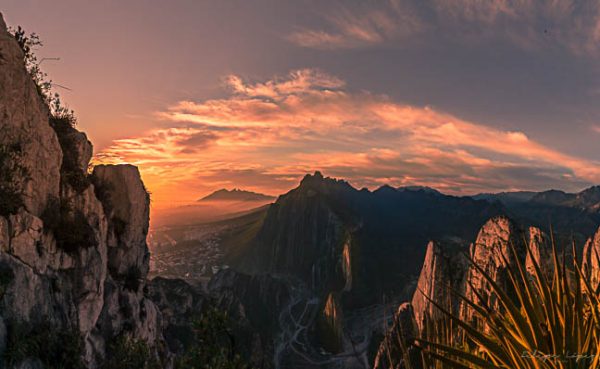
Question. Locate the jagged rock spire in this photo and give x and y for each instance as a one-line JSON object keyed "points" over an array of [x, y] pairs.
{"points": [[440, 273], [591, 259]]}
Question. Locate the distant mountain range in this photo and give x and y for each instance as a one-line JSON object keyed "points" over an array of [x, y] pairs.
{"points": [[588, 199], [236, 195], [305, 230], [350, 255], [568, 213]]}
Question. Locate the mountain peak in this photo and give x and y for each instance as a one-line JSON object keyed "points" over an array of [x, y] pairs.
{"points": [[236, 194], [385, 189], [419, 188], [318, 182], [313, 178]]}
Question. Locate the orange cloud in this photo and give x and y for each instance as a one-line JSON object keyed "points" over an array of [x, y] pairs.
{"points": [[266, 135]]}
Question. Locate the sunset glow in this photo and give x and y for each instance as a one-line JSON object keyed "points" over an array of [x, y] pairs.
{"points": [[371, 92]]}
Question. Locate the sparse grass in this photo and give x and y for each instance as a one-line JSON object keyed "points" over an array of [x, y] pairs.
{"points": [[553, 319]]}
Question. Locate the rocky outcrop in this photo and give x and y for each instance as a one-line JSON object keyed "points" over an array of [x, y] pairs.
{"points": [[74, 257], [591, 259], [259, 295], [397, 345], [492, 253], [442, 272], [444, 268], [179, 303], [540, 252], [254, 303], [127, 206], [330, 325], [303, 234], [125, 309]]}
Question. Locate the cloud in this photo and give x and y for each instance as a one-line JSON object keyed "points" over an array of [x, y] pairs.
{"points": [[528, 24], [371, 23], [266, 135]]}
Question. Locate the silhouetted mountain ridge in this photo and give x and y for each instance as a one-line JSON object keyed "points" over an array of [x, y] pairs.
{"points": [[236, 195], [306, 230]]}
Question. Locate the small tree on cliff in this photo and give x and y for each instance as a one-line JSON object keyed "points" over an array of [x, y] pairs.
{"points": [[29, 43]]}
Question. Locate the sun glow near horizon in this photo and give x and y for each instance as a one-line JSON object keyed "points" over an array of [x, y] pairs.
{"points": [[265, 136]]}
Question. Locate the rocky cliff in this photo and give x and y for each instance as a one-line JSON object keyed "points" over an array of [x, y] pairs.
{"points": [[445, 269], [252, 304], [73, 254], [398, 340], [355, 253], [591, 259], [492, 252]]}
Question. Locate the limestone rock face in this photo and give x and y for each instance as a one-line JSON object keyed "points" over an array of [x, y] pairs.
{"points": [[441, 272], [591, 258], [74, 257], [24, 123], [541, 252], [492, 252], [127, 205], [404, 329], [179, 303], [251, 302], [82, 148], [304, 235]]}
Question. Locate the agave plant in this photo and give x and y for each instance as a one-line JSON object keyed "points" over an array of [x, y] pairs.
{"points": [[550, 320]]}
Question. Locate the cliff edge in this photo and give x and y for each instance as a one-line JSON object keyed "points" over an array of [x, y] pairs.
{"points": [[73, 253]]}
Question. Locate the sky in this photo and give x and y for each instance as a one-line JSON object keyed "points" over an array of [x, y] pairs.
{"points": [[465, 96]]}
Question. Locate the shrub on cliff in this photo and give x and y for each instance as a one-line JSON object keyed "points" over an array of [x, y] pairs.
{"points": [[214, 346], [128, 353], [55, 348], [28, 44], [70, 227], [61, 118], [70, 171], [11, 172]]}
